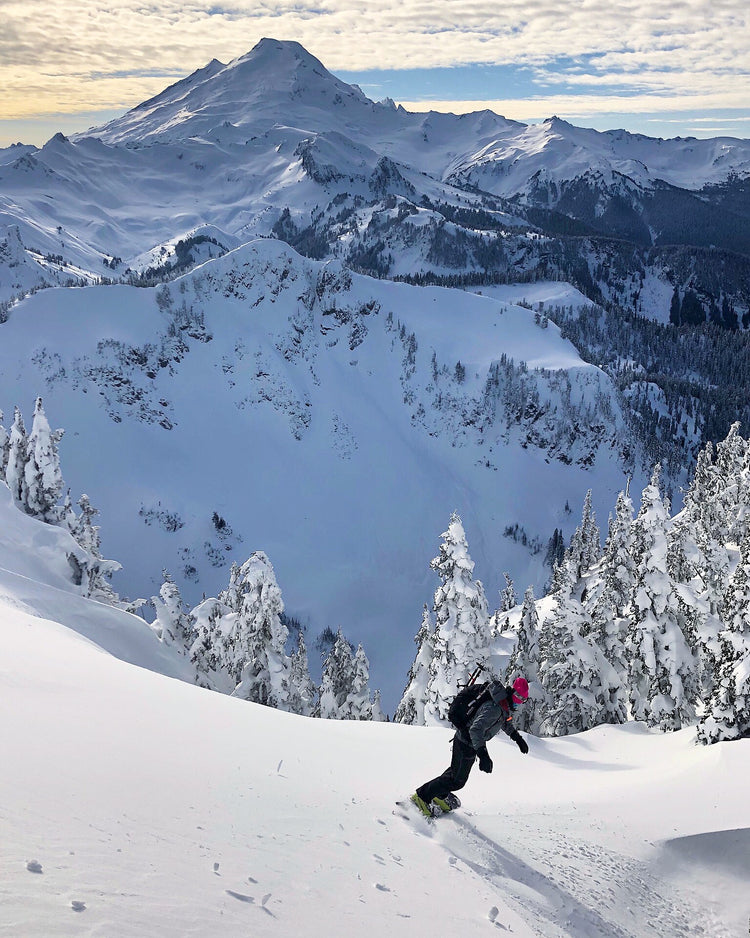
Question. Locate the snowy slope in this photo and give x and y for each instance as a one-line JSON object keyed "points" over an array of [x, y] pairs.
{"points": [[277, 392], [133, 804], [35, 578]]}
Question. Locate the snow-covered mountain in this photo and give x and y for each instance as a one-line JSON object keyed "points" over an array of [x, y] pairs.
{"points": [[133, 803], [204, 369], [235, 145], [331, 420]]}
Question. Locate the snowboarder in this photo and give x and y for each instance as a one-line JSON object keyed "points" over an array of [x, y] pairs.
{"points": [[495, 714]]}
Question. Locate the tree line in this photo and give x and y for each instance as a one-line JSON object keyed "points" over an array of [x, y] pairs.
{"points": [[654, 626]]}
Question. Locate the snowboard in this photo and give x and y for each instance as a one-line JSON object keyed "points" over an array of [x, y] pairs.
{"points": [[407, 809]]}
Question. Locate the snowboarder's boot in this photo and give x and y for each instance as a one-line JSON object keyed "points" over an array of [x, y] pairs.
{"points": [[429, 810], [447, 802]]}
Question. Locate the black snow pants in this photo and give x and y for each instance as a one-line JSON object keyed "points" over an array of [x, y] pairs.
{"points": [[454, 777]]}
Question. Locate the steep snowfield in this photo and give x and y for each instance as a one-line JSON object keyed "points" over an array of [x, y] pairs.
{"points": [[135, 804], [291, 424]]}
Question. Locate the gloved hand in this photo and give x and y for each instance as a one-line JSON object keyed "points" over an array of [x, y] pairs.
{"points": [[485, 763], [520, 742]]}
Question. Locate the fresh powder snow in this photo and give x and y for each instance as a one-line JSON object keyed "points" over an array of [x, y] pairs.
{"points": [[136, 804]]}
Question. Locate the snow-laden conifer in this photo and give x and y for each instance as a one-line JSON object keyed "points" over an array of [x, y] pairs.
{"points": [[412, 704], [524, 661], [336, 679], [663, 670], [43, 477], [610, 597], [727, 715], [570, 669], [357, 705], [90, 570], [508, 599], [302, 689], [15, 469], [378, 714], [208, 648], [4, 447], [585, 545], [462, 631], [173, 622], [256, 655]]}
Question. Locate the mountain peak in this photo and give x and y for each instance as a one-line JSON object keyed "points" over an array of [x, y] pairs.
{"points": [[279, 57], [275, 77]]}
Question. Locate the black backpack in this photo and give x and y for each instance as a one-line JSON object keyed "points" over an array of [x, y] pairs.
{"points": [[465, 704]]}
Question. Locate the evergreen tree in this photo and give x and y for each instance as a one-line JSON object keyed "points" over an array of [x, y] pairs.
{"points": [[412, 705], [727, 714], [691, 310], [585, 545], [15, 469], [4, 448], [674, 308], [524, 661], [555, 549], [357, 705], [43, 477], [570, 670], [90, 570], [256, 656], [336, 680], [508, 599], [302, 688], [462, 633], [208, 649], [378, 715], [663, 669], [173, 622], [610, 596]]}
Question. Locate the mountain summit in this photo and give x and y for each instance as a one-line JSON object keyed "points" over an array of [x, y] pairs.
{"points": [[275, 80]]}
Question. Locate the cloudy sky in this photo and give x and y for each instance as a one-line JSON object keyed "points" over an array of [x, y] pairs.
{"points": [[665, 69]]}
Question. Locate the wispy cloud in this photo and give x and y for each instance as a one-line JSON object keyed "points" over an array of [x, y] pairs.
{"points": [[71, 56]]}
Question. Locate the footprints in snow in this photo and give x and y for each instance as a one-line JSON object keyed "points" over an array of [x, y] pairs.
{"points": [[34, 866], [244, 897]]}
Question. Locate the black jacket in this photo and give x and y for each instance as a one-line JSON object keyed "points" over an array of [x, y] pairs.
{"points": [[494, 715]]}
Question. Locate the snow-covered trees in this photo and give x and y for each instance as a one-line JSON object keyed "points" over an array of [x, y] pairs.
{"points": [[256, 639], [17, 454], [570, 670], [302, 689], [507, 594], [43, 478], [524, 661], [727, 714], [663, 668], [462, 631], [4, 447], [345, 684], [411, 707], [31, 469], [173, 623], [31, 465]]}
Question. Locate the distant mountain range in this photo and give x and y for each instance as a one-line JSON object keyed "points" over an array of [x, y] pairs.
{"points": [[390, 192]]}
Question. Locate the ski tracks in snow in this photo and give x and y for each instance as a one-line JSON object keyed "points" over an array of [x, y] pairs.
{"points": [[565, 887]]}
